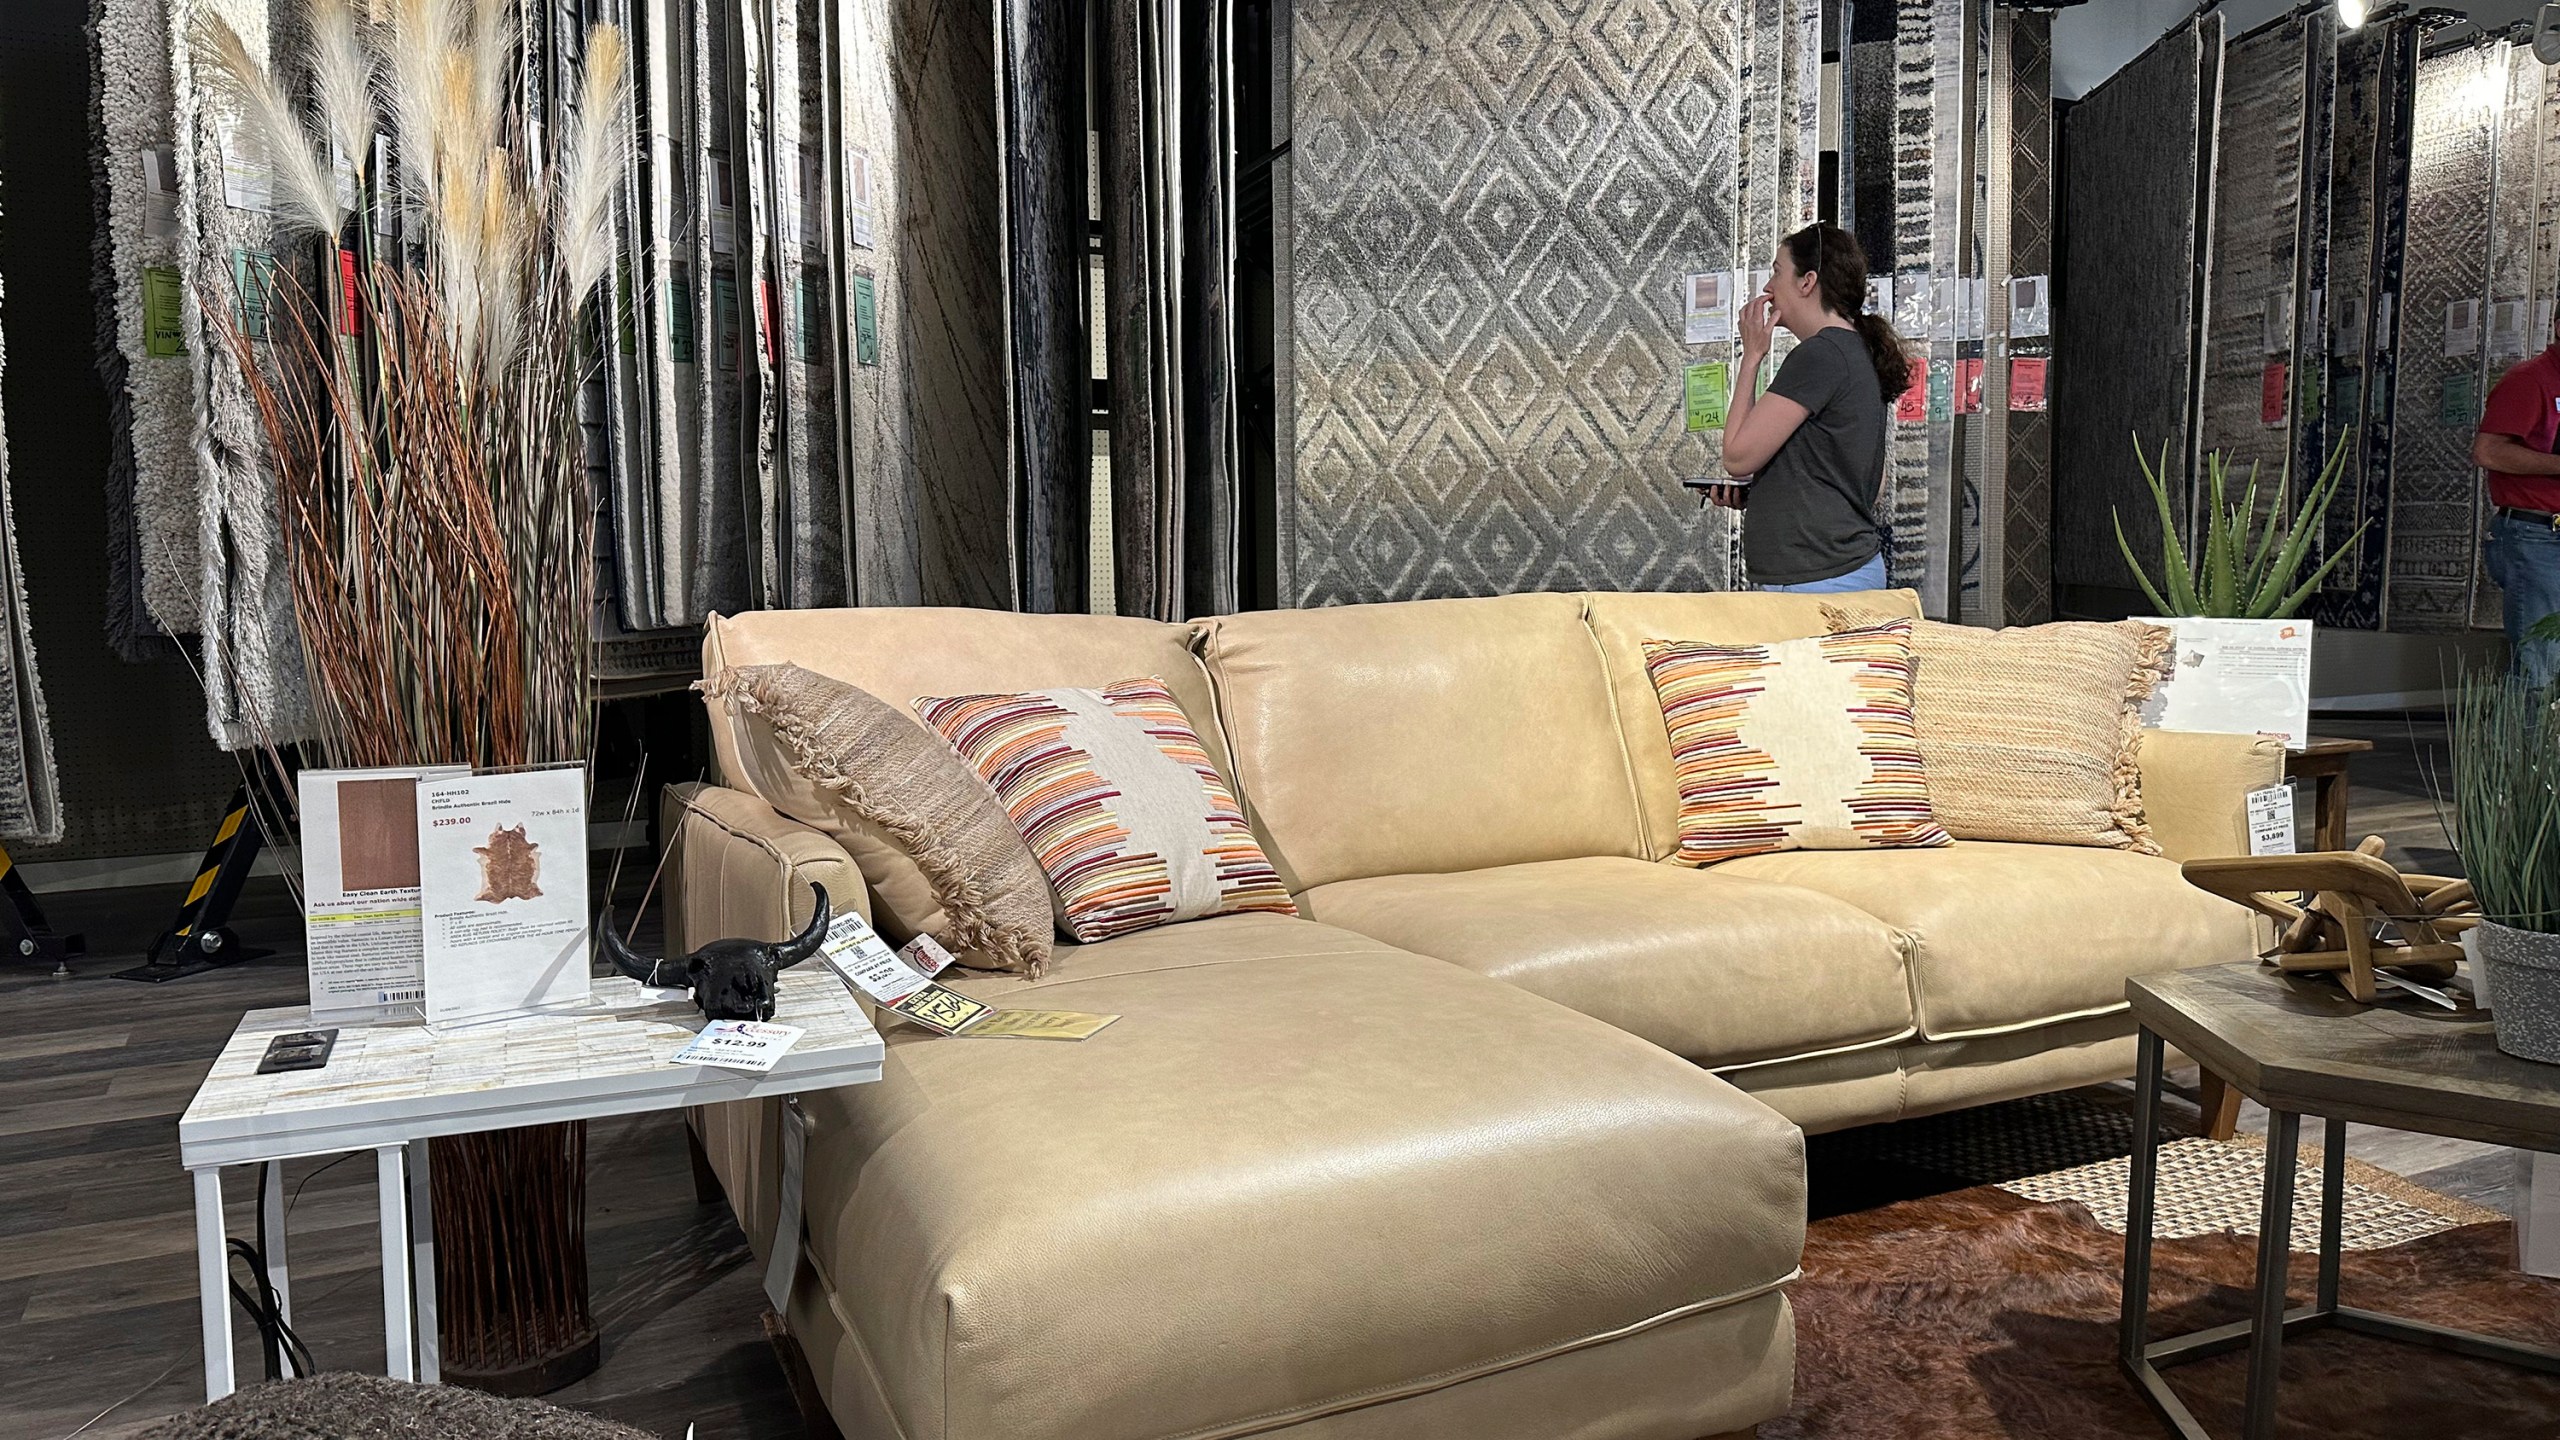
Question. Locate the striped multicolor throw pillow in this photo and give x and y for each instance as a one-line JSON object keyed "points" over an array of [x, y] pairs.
{"points": [[1801, 745], [1116, 795]]}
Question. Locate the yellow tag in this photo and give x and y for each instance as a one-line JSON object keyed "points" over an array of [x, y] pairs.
{"points": [[936, 1008], [1040, 1025]]}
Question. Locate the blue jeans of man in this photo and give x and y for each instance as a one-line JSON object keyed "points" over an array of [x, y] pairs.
{"points": [[2524, 558]]}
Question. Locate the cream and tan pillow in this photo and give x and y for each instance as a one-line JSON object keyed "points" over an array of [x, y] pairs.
{"points": [[1801, 745], [2034, 733], [932, 841], [1119, 801]]}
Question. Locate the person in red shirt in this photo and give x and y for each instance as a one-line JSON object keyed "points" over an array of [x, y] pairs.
{"points": [[2519, 433]]}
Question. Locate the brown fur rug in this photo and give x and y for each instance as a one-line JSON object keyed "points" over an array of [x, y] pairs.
{"points": [[1981, 1314]]}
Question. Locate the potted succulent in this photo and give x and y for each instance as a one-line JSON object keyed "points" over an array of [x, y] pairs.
{"points": [[2505, 738], [2243, 568]]}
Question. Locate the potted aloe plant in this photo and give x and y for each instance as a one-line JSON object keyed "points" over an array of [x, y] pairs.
{"points": [[2505, 738], [2243, 568]]}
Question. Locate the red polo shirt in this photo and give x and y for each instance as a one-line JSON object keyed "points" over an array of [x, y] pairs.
{"points": [[2526, 405]]}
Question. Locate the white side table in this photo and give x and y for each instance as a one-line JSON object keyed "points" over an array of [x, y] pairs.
{"points": [[390, 1088]]}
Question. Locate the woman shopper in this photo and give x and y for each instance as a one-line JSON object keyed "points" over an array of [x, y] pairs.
{"points": [[1810, 454]]}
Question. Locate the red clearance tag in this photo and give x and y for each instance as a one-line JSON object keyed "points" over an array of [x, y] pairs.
{"points": [[346, 292], [1913, 407]]}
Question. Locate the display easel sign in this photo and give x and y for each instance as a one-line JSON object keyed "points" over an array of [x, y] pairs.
{"points": [[360, 917], [502, 864], [2236, 677]]}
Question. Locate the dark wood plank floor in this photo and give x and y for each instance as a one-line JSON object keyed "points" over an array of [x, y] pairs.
{"points": [[97, 1270]]}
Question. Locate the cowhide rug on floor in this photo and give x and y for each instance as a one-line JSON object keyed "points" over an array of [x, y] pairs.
{"points": [[1981, 1313]]}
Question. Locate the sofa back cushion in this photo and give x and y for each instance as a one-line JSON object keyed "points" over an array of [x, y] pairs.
{"points": [[1622, 622], [1423, 736], [898, 654]]}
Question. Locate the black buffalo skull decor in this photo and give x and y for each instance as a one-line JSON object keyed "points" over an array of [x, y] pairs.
{"points": [[730, 979]]}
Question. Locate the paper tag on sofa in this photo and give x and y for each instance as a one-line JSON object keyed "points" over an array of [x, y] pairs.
{"points": [[936, 1008], [925, 956], [1038, 1025], [2271, 820], [864, 961]]}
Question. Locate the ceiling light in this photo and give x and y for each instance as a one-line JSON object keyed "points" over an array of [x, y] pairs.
{"points": [[2351, 13]]}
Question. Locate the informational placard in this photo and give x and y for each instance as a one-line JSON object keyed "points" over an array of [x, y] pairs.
{"points": [[2462, 329], [502, 868], [1706, 305], [2507, 328], [2458, 403], [1880, 295], [2273, 386], [164, 298], [361, 923], [866, 321], [861, 210], [2271, 820], [2236, 677], [1912, 406], [2026, 382], [1969, 386], [2030, 307], [1704, 389], [159, 193]]}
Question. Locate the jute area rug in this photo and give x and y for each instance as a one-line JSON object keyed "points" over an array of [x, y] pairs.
{"points": [[1985, 1313]]}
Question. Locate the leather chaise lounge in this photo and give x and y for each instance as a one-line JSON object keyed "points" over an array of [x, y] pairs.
{"points": [[1502, 1137]]}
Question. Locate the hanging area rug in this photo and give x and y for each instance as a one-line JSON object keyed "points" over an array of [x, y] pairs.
{"points": [[1985, 1313]]}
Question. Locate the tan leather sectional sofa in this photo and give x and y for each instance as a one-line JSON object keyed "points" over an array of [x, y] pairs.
{"points": [[1502, 1138]]}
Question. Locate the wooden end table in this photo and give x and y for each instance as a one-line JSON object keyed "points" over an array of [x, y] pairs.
{"points": [[391, 1088], [2300, 1047]]}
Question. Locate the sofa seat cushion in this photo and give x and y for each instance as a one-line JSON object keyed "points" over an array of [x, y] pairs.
{"points": [[1707, 964], [1278, 1187], [2004, 936]]}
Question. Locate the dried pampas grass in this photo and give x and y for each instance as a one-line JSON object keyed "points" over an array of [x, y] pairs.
{"points": [[437, 519]]}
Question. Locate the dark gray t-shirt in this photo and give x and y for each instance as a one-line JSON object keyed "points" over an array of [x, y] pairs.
{"points": [[1812, 511]]}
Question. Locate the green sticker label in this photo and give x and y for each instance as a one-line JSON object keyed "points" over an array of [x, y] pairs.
{"points": [[724, 318], [2460, 402], [810, 325], [866, 322], [253, 283], [1942, 392], [163, 310], [2350, 396], [1704, 389], [680, 337]]}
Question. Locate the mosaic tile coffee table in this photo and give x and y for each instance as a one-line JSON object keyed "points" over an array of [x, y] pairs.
{"points": [[2299, 1046], [391, 1088]]}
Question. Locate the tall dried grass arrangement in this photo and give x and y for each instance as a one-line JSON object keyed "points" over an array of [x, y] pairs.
{"points": [[422, 415]]}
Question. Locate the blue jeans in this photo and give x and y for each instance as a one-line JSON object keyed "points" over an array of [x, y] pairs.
{"points": [[2524, 558], [1869, 576]]}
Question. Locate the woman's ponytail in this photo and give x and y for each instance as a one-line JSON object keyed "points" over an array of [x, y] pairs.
{"points": [[1832, 254]]}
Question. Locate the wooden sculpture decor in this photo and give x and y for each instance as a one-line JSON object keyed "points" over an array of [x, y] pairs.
{"points": [[2348, 912]]}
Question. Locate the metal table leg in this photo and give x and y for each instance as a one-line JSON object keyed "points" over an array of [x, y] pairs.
{"points": [[2139, 1195], [422, 1263], [275, 1248], [391, 1184], [213, 1280], [2275, 1252], [2333, 1213]]}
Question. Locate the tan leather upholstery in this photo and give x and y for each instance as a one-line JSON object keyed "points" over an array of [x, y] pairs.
{"points": [[1711, 966], [2007, 936], [1924, 1077], [1431, 736], [898, 654], [1621, 623], [1394, 1173], [2194, 786]]}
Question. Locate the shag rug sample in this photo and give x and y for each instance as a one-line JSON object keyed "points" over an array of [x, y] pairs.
{"points": [[1981, 1313], [370, 1407], [30, 797]]}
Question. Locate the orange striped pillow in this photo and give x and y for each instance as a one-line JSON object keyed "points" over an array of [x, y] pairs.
{"points": [[1801, 745], [1116, 796]]}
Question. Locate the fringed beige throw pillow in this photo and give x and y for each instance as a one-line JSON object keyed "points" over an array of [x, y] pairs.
{"points": [[932, 841], [2032, 733]]}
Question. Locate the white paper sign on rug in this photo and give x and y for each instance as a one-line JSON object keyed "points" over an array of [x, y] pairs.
{"points": [[502, 865], [2236, 677], [361, 923]]}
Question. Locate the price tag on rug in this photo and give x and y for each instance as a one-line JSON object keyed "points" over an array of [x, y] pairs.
{"points": [[1039, 1025], [2271, 820], [738, 1045], [925, 956]]}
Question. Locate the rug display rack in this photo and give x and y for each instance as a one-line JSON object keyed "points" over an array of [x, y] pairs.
{"points": [[800, 395], [30, 788], [2379, 215]]}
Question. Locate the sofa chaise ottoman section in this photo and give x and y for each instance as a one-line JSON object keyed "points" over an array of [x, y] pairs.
{"points": [[1337, 1194]]}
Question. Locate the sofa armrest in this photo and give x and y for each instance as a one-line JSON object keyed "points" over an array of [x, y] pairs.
{"points": [[736, 866], [2195, 789]]}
